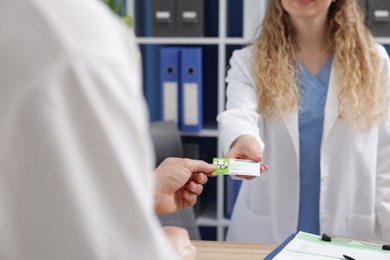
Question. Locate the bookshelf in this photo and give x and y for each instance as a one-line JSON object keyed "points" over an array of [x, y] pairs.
{"points": [[216, 44], [219, 42]]}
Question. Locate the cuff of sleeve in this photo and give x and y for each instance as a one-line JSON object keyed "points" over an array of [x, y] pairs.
{"points": [[226, 139]]}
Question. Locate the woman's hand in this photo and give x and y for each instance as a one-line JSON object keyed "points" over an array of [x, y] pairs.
{"points": [[247, 147]]}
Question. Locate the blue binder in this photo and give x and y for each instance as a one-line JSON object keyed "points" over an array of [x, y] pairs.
{"points": [[142, 18], [151, 79], [191, 90], [232, 187], [169, 84]]}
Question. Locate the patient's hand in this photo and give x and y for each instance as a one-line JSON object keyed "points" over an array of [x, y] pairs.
{"points": [[178, 182]]}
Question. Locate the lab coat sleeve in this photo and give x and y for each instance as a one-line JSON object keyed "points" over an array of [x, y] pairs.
{"points": [[383, 163], [240, 117]]}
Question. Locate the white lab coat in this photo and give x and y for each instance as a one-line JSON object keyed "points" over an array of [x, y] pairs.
{"points": [[75, 157], [355, 166]]}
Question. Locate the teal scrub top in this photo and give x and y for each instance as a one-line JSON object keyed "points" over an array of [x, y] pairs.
{"points": [[311, 119]]}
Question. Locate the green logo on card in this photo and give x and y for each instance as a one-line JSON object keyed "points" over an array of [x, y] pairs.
{"points": [[223, 165]]}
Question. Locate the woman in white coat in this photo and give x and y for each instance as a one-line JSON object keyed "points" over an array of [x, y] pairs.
{"points": [[314, 90]]}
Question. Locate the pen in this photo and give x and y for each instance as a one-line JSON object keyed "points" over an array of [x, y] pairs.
{"points": [[348, 257], [328, 238]]}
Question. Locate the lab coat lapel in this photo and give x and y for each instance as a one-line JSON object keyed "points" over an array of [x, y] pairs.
{"points": [[331, 107]]}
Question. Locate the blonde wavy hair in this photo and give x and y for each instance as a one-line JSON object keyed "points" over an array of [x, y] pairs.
{"points": [[361, 97]]}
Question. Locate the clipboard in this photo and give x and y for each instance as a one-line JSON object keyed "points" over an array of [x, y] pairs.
{"points": [[280, 247], [309, 246]]}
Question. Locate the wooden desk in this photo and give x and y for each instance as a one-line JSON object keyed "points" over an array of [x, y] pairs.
{"points": [[216, 250]]}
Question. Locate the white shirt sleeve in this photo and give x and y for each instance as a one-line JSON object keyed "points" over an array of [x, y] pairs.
{"points": [[75, 156], [76, 170]]}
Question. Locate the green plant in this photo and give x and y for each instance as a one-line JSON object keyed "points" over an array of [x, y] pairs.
{"points": [[117, 7]]}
